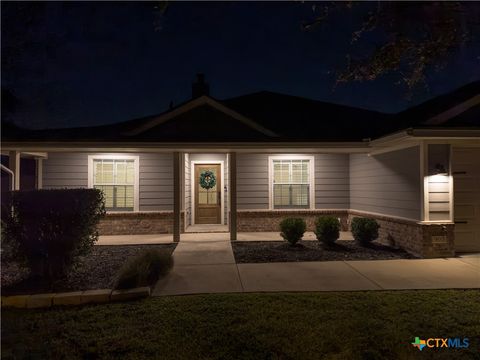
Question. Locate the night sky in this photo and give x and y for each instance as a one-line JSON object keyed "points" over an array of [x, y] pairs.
{"points": [[76, 64]]}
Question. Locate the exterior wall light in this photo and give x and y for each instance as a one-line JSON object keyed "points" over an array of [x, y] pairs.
{"points": [[440, 169]]}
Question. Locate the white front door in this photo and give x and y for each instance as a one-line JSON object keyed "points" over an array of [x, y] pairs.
{"points": [[466, 173]]}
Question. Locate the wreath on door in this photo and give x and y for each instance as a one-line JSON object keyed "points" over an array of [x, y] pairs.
{"points": [[207, 179]]}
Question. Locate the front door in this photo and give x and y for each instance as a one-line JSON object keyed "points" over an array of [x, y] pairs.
{"points": [[208, 197]]}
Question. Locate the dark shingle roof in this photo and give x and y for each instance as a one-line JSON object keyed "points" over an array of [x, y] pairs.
{"points": [[291, 118]]}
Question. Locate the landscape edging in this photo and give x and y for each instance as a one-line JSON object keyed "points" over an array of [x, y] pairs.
{"points": [[96, 296]]}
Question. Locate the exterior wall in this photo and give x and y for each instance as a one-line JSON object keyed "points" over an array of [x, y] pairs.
{"points": [[269, 220], [388, 183], [252, 181], [438, 187], [332, 189], [332, 181], [424, 240], [135, 223], [70, 170]]}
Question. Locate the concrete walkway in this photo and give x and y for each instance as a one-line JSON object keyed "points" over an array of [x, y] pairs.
{"points": [[201, 237], [209, 267]]}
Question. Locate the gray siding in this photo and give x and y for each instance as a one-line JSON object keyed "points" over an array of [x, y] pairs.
{"points": [[156, 181], [65, 170], [439, 185], [70, 170], [331, 181], [387, 183], [252, 181]]}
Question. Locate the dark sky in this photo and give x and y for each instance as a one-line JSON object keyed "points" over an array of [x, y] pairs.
{"points": [[74, 64]]}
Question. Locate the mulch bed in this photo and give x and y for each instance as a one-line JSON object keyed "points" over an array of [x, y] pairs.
{"points": [[94, 271], [281, 251]]}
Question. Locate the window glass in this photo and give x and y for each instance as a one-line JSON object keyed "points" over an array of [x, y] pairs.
{"points": [[291, 184], [116, 178]]}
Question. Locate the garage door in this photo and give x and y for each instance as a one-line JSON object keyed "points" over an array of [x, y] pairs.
{"points": [[466, 173]]}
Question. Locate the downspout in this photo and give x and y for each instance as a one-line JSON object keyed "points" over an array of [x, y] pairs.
{"points": [[11, 173]]}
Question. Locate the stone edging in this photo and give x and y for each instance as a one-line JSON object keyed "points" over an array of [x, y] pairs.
{"points": [[98, 296]]}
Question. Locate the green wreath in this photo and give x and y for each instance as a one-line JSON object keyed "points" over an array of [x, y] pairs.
{"points": [[207, 179]]}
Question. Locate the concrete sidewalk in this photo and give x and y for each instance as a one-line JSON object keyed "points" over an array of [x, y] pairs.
{"points": [[209, 267]]}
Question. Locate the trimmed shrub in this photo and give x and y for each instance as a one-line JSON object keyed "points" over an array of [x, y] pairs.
{"points": [[364, 230], [48, 229], [144, 269], [327, 229], [292, 229]]}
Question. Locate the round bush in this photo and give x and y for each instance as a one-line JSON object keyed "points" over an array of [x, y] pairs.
{"points": [[364, 230], [292, 229], [144, 269], [327, 229]]}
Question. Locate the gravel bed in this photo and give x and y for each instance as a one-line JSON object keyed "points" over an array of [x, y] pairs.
{"points": [[281, 251], [94, 271]]}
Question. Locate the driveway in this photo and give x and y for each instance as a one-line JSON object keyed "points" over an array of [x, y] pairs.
{"points": [[209, 267]]}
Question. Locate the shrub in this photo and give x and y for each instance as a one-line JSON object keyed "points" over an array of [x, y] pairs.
{"points": [[144, 269], [364, 230], [327, 229], [292, 229], [48, 229]]}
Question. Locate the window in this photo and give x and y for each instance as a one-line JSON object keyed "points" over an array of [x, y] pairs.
{"points": [[117, 178], [291, 183]]}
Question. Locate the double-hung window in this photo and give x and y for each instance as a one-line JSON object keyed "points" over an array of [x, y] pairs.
{"points": [[117, 178], [291, 183]]}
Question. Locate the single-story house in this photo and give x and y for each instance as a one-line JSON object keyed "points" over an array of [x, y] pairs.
{"points": [[245, 163]]}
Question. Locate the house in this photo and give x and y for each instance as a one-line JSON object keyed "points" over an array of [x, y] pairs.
{"points": [[243, 164]]}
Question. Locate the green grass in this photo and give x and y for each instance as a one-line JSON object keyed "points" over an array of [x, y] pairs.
{"points": [[349, 325]]}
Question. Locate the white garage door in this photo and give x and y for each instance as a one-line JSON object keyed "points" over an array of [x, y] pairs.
{"points": [[466, 173]]}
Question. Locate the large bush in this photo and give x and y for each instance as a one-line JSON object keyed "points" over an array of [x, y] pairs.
{"points": [[364, 230], [292, 229], [48, 229], [144, 269], [327, 229]]}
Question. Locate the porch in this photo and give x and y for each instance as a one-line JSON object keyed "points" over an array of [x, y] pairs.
{"points": [[202, 237]]}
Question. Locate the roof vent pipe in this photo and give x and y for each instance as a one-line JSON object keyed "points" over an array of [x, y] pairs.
{"points": [[200, 87]]}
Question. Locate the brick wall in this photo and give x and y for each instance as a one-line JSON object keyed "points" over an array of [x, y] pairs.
{"points": [[138, 223], [424, 240], [268, 220]]}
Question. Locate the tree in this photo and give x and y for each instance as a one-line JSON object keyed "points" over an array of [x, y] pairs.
{"points": [[417, 37]]}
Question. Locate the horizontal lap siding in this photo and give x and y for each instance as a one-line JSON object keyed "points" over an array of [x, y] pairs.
{"points": [[156, 182], [332, 190], [65, 170], [387, 183], [331, 181], [70, 170], [252, 181]]}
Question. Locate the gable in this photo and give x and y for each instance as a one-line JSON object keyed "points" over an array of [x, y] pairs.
{"points": [[202, 123]]}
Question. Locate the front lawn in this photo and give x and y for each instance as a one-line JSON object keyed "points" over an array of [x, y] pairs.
{"points": [[349, 325], [281, 251]]}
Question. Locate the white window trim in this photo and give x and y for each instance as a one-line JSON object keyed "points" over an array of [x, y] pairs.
{"points": [[311, 170], [192, 186], [135, 159]]}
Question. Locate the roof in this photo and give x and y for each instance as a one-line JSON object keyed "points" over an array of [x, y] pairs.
{"points": [[269, 117]]}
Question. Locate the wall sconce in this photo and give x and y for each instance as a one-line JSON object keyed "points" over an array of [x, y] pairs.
{"points": [[440, 169]]}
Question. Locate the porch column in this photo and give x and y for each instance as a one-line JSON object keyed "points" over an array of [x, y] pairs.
{"points": [[177, 178], [232, 177], [39, 173], [14, 165]]}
